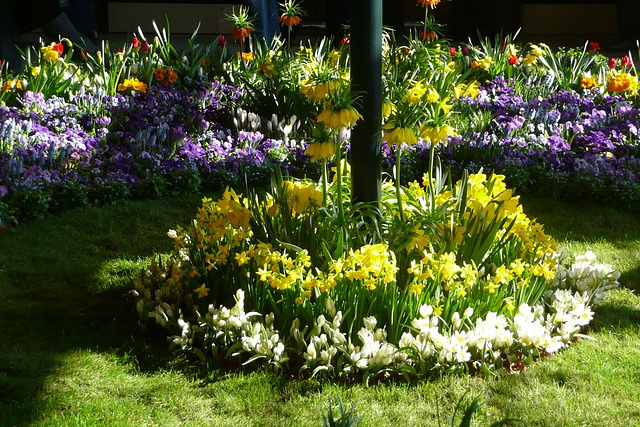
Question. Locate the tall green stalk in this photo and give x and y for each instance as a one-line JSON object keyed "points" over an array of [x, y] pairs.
{"points": [[324, 182], [339, 176], [398, 190]]}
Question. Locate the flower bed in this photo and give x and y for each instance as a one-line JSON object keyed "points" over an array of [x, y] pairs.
{"points": [[468, 284], [446, 274]]}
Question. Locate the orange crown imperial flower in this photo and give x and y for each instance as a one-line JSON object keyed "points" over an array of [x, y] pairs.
{"points": [[241, 33], [431, 3], [290, 21]]}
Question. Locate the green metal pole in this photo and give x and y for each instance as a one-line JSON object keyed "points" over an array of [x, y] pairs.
{"points": [[366, 78]]}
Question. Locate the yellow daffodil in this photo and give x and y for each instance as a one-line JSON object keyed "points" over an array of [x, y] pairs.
{"points": [[202, 291], [529, 60], [483, 63], [388, 108], [537, 50], [415, 93], [472, 89], [432, 95]]}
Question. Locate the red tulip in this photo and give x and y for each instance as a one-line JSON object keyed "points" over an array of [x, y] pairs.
{"points": [[465, 50], [144, 46], [58, 48], [222, 41], [452, 51], [135, 42], [625, 61], [612, 63], [513, 60], [594, 47]]}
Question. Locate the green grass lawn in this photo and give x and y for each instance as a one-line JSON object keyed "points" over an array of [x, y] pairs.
{"points": [[71, 353]]}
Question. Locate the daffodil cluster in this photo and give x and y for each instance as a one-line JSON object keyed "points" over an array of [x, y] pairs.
{"points": [[479, 286]]}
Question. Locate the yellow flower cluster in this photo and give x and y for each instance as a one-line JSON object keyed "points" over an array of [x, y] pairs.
{"points": [[483, 63], [588, 82], [52, 52], [302, 197], [415, 93], [219, 228], [279, 270], [529, 60], [388, 108], [536, 52], [132, 84], [622, 82], [538, 49], [463, 90], [489, 202], [370, 264], [443, 269]]}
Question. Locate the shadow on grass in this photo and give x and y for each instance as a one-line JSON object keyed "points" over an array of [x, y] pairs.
{"points": [[64, 285], [615, 229]]}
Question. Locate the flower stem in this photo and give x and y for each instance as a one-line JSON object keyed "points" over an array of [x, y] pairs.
{"points": [[398, 192], [424, 29], [324, 182], [339, 175]]}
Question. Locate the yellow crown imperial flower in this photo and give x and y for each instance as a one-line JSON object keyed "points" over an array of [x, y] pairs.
{"points": [[338, 119], [397, 135], [436, 134], [320, 150]]}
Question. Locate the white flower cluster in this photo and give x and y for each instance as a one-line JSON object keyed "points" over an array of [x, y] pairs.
{"points": [[585, 274], [233, 329], [429, 343]]}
